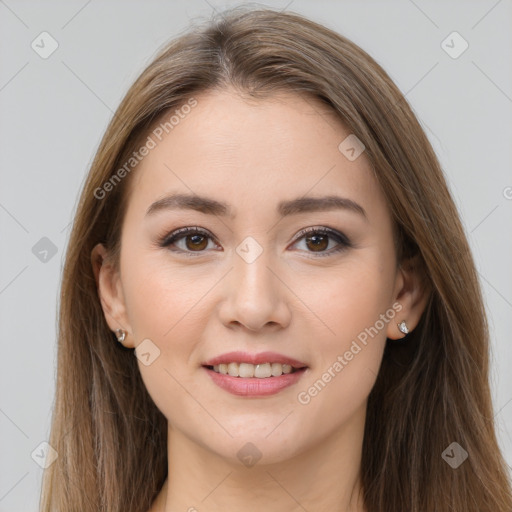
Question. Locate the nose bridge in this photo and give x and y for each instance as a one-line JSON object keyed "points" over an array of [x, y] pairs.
{"points": [[251, 273], [256, 296]]}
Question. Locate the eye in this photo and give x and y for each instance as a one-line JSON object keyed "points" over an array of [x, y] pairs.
{"points": [[192, 239], [317, 240]]}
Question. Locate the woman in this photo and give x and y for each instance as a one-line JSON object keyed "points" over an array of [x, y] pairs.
{"points": [[268, 301]]}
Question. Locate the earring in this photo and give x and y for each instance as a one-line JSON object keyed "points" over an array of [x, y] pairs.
{"points": [[403, 327], [121, 335]]}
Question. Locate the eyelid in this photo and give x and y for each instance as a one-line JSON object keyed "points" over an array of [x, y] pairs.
{"points": [[324, 230], [342, 240], [180, 233]]}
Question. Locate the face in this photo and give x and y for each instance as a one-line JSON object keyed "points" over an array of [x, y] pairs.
{"points": [[248, 278]]}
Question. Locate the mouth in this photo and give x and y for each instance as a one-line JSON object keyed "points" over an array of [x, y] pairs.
{"points": [[254, 380], [254, 375], [259, 371]]}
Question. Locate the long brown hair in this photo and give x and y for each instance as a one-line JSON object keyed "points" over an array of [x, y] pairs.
{"points": [[432, 390]]}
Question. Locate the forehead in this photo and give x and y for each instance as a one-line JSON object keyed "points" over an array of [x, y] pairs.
{"points": [[250, 151]]}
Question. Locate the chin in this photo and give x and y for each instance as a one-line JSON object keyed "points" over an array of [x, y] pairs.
{"points": [[258, 446]]}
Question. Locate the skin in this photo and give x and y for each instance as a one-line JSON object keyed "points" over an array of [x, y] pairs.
{"points": [[291, 300]]}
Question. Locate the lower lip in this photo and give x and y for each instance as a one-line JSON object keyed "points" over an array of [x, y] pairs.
{"points": [[253, 386]]}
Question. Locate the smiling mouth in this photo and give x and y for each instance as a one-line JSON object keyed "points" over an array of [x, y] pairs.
{"points": [[247, 370]]}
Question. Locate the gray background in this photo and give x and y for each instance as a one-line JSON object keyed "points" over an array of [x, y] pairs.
{"points": [[55, 110]]}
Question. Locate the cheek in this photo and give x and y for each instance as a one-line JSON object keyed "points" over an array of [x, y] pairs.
{"points": [[165, 305], [348, 299], [353, 305], [160, 299]]}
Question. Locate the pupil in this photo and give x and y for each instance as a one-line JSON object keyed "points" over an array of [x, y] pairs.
{"points": [[197, 239], [318, 243]]}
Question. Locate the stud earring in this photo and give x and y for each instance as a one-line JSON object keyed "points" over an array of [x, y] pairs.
{"points": [[121, 335], [403, 327]]}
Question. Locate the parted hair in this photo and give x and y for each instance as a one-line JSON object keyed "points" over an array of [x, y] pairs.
{"points": [[432, 389]]}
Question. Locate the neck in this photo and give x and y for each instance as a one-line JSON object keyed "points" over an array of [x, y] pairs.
{"points": [[323, 477]]}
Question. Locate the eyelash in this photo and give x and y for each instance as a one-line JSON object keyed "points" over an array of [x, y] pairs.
{"points": [[343, 241]]}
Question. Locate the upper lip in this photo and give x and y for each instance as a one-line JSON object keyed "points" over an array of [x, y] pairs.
{"points": [[246, 357]]}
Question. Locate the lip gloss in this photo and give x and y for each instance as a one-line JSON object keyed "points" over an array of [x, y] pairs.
{"points": [[254, 386]]}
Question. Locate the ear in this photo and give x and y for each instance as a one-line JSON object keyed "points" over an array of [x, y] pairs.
{"points": [[110, 292], [412, 292]]}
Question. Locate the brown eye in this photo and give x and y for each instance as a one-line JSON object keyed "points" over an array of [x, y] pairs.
{"points": [[187, 240], [317, 242], [197, 242]]}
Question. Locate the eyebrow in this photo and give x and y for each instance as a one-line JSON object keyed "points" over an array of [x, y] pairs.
{"points": [[284, 208]]}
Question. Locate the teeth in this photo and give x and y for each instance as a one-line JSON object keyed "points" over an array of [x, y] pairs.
{"points": [[246, 370], [233, 369], [260, 371], [287, 368]]}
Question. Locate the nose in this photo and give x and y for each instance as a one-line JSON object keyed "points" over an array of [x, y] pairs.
{"points": [[255, 295]]}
